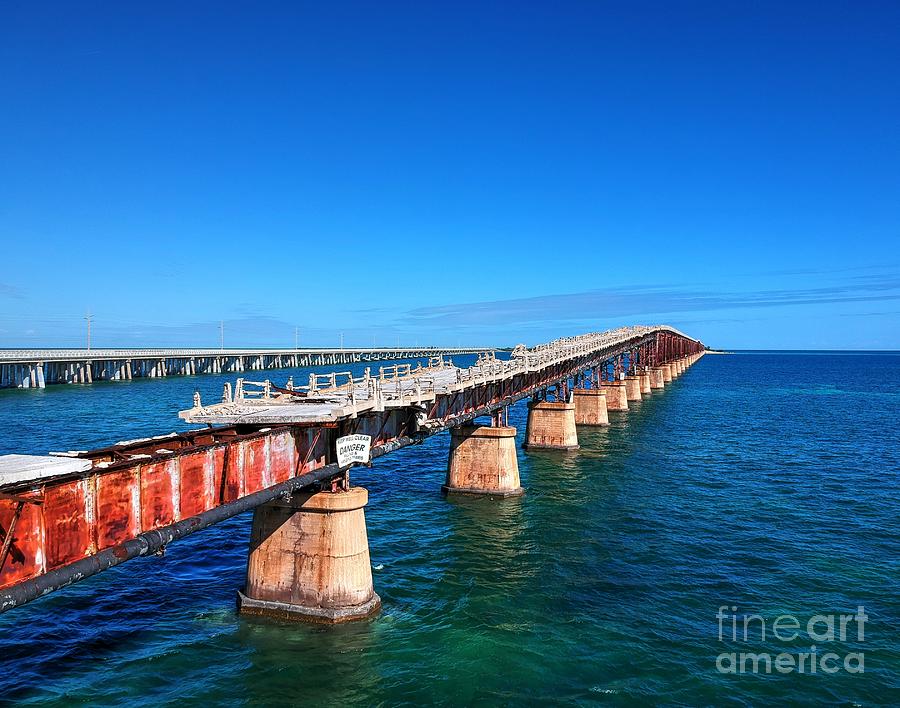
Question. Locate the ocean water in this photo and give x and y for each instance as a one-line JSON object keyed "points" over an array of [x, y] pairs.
{"points": [[765, 482]]}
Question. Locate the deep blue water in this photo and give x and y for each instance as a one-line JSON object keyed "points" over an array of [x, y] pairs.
{"points": [[764, 481]]}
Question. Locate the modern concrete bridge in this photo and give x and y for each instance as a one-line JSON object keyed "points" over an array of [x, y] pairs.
{"points": [[273, 449], [36, 368]]}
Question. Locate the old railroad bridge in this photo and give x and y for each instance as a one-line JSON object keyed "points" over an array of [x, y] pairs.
{"points": [[69, 516], [37, 368]]}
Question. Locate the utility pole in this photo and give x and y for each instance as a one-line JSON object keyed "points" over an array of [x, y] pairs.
{"points": [[88, 317], [221, 334]]}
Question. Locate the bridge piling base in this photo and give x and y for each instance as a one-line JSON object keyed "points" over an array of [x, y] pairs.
{"points": [[633, 388], [483, 461], [551, 426], [656, 378], [616, 395], [646, 388], [590, 406], [309, 559]]}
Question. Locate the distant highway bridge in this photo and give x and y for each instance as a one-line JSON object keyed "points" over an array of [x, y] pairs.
{"points": [[36, 368]]}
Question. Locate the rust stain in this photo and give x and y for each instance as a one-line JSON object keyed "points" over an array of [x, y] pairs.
{"points": [[116, 517], [67, 531], [157, 505], [196, 494]]}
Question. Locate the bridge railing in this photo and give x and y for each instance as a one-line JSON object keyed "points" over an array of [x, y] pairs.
{"points": [[400, 384]]}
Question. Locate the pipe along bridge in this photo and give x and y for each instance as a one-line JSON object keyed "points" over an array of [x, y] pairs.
{"points": [[67, 516]]}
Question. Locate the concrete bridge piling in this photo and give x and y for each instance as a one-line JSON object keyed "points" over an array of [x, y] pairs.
{"points": [[590, 407], [483, 461], [309, 559], [551, 426]]}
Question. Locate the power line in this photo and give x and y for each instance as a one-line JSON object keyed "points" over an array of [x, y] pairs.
{"points": [[88, 317]]}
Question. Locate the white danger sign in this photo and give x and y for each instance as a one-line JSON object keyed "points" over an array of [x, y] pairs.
{"points": [[353, 448]]}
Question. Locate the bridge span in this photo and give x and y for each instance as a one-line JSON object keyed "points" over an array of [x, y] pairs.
{"points": [[37, 368], [273, 449]]}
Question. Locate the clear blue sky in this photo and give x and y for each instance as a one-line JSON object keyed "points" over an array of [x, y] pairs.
{"points": [[486, 173]]}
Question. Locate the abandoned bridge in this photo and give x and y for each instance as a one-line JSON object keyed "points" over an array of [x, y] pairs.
{"points": [[274, 449]]}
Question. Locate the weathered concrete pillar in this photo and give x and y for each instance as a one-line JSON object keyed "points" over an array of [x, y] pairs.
{"points": [[633, 388], [483, 461], [309, 559], [551, 425], [646, 388], [616, 395], [590, 406], [656, 377], [667, 373]]}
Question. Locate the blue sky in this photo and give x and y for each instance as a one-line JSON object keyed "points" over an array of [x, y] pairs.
{"points": [[480, 173]]}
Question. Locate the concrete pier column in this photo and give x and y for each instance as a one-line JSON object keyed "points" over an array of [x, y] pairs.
{"points": [[656, 378], [309, 559], [551, 425], [667, 373], [590, 406], [646, 388], [616, 395], [483, 461], [633, 388]]}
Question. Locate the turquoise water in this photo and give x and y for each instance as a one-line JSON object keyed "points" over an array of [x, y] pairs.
{"points": [[765, 481]]}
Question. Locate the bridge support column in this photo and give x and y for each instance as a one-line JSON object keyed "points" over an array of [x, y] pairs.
{"points": [[590, 406], [483, 461], [309, 559], [656, 378], [551, 425], [667, 373], [646, 388], [616, 395], [633, 388]]}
